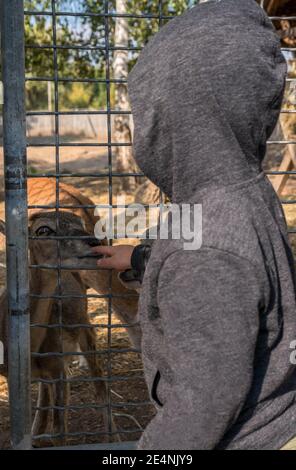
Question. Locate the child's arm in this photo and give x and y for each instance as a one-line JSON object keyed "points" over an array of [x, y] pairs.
{"points": [[123, 257]]}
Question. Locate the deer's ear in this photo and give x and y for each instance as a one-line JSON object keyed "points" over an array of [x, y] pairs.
{"points": [[2, 227]]}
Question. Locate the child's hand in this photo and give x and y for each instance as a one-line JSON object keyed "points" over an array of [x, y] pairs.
{"points": [[115, 257]]}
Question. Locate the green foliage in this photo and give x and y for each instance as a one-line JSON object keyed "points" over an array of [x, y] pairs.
{"points": [[85, 31], [140, 29]]}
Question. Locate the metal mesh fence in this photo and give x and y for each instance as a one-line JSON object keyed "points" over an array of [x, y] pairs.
{"points": [[125, 404]]}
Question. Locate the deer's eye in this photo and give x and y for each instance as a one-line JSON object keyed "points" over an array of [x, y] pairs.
{"points": [[44, 231]]}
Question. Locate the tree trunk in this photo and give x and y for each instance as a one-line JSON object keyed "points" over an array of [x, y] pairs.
{"points": [[122, 131]]}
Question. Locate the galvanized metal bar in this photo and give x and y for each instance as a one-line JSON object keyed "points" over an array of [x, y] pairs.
{"points": [[100, 113], [94, 406], [87, 433], [59, 390], [96, 15], [101, 352], [82, 48], [76, 113], [102, 175], [126, 15], [118, 446], [51, 326], [90, 144], [14, 134], [124, 378], [101, 80], [110, 200], [76, 80], [123, 144]]}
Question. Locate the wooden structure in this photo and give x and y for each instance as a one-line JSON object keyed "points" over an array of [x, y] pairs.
{"points": [[284, 14], [286, 27]]}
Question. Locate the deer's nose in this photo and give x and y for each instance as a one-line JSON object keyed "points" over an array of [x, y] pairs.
{"points": [[93, 242]]}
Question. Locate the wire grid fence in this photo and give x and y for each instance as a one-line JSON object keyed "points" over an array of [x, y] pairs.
{"points": [[21, 424], [106, 16], [20, 427]]}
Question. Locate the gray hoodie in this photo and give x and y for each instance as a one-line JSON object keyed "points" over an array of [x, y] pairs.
{"points": [[217, 322]]}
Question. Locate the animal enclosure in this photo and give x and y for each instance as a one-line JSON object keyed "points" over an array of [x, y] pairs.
{"points": [[74, 364]]}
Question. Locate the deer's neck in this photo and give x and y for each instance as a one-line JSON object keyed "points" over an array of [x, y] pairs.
{"points": [[124, 301], [43, 283]]}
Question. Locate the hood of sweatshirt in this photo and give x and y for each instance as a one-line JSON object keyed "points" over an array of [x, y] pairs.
{"points": [[206, 94]]}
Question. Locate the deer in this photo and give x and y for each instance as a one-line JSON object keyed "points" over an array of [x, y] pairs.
{"points": [[78, 272], [47, 311], [42, 192]]}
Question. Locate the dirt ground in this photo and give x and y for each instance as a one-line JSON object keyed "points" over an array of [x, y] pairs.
{"points": [[128, 418]]}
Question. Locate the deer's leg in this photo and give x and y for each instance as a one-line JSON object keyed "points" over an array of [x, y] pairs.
{"points": [[41, 309], [87, 342], [60, 417], [43, 418]]}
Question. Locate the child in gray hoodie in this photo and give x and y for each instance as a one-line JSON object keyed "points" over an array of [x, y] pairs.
{"points": [[217, 322]]}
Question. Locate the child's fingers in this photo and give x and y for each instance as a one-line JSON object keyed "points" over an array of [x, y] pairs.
{"points": [[106, 263], [104, 250]]}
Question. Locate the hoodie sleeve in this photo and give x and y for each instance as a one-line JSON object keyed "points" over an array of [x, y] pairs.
{"points": [[209, 308], [140, 257]]}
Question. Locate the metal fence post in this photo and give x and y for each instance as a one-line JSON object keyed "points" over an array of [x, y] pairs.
{"points": [[14, 137]]}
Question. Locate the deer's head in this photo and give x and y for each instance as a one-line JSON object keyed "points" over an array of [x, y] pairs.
{"points": [[61, 239]]}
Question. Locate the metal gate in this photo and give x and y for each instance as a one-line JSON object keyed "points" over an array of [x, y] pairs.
{"points": [[15, 146]]}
